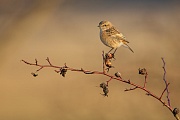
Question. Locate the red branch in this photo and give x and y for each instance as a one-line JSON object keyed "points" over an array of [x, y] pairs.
{"points": [[135, 86]]}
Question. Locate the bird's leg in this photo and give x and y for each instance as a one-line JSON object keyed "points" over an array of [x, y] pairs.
{"points": [[110, 50], [114, 51], [112, 54]]}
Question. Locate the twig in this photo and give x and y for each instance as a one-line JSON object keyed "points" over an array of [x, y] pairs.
{"points": [[48, 61], [165, 81], [145, 79], [36, 61], [130, 89], [109, 81], [164, 91], [103, 62]]}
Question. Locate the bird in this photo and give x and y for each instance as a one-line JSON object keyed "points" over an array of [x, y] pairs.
{"points": [[111, 37]]}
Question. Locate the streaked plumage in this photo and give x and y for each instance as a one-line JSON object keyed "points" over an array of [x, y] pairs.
{"points": [[111, 37]]}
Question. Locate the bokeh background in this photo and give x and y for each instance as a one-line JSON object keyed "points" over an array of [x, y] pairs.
{"points": [[66, 32]]}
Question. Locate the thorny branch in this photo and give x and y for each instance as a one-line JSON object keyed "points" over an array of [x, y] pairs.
{"points": [[107, 63]]}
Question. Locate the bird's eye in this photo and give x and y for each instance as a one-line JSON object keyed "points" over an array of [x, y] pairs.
{"points": [[105, 25]]}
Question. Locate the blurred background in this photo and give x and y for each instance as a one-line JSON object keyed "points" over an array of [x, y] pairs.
{"points": [[66, 31]]}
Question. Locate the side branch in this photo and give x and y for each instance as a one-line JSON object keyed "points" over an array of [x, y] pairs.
{"points": [[165, 81]]}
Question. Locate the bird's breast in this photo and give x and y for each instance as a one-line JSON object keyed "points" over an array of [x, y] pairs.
{"points": [[109, 40]]}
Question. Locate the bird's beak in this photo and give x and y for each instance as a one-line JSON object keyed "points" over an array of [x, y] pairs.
{"points": [[98, 26]]}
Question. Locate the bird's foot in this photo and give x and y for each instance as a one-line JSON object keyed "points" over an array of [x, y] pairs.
{"points": [[110, 56]]}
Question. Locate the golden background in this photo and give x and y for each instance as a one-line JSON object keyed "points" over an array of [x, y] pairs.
{"points": [[66, 31]]}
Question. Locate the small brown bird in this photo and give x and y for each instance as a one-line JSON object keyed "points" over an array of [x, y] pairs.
{"points": [[111, 37]]}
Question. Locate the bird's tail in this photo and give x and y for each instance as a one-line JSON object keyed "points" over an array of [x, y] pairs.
{"points": [[125, 45]]}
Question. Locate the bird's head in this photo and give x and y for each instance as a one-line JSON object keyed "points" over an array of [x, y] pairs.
{"points": [[104, 25]]}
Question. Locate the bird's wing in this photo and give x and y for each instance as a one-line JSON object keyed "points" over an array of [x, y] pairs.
{"points": [[120, 37], [112, 31], [115, 34]]}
